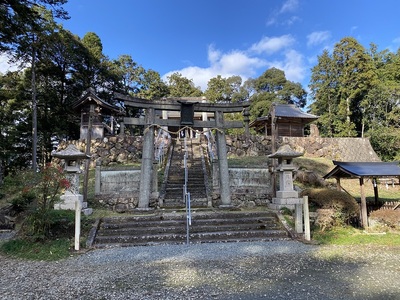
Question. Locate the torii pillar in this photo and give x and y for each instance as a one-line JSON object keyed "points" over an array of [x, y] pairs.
{"points": [[147, 161], [225, 192]]}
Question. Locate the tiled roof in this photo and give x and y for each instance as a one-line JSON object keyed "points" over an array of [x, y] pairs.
{"points": [[291, 111], [363, 169]]}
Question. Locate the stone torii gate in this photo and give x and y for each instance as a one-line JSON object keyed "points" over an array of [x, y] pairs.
{"points": [[150, 122]]}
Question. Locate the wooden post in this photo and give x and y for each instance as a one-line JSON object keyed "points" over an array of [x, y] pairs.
{"points": [[77, 223], [273, 129], [97, 183], [338, 186], [376, 193], [307, 231], [298, 218], [87, 152], [273, 148], [364, 213]]}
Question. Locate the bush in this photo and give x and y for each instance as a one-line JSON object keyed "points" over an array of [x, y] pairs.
{"points": [[385, 218], [47, 224], [309, 178], [334, 208]]}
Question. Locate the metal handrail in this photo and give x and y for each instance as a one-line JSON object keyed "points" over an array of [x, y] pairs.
{"points": [[186, 194], [159, 152]]}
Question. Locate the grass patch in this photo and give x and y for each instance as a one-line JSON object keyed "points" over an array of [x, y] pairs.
{"points": [[47, 251], [353, 236], [249, 162]]}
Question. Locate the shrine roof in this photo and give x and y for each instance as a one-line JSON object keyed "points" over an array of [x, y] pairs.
{"points": [[285, 111], [89, 96], [363, 169]]}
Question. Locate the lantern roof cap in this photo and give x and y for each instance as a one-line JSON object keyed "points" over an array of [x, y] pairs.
{"points": [[285, 151], [71, 152]]}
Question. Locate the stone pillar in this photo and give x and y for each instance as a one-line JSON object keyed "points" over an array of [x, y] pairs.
{"points": [[97, 183], [147, 161], [246, 120], [122, 128], [222, 161], [154, 183]]}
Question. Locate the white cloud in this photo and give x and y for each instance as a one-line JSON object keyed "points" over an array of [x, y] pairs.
{"points": [[396, 40], [293, 66], [6, 65], [318, 37], [225, 64], [252, 62], [271, 45], [289, 6]]}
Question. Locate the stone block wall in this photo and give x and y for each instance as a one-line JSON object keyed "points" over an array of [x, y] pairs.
{"points": [[116, 188], [342, 149], [240, 146], [249, 187], [111, 150]]}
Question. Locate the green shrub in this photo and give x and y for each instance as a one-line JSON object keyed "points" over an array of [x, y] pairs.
{"points": [[334, 207], [45, 224]]}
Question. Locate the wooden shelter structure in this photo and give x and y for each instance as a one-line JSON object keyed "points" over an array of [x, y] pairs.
{"points": [[362, 170], [94, 112], [285, 119]]}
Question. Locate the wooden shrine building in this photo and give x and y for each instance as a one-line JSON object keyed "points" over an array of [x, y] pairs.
{"points": [[287, 119], [96, 114]]}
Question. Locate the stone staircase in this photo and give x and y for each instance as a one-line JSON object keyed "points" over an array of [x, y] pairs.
{"points": [[197, 183], [163, 227]]}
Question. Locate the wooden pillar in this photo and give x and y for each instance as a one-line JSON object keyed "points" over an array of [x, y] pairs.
{"points": [[87, 152], [376, 193], [222, 161], [364, 214], [147, 161], [273, 129], [273, 148], [338, 186]]}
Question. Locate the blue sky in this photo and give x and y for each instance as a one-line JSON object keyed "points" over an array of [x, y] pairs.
{"points": [[205, 38]]}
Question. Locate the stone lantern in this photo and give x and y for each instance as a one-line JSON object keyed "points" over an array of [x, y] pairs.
{"points": [[286, 196], [72, 161]]}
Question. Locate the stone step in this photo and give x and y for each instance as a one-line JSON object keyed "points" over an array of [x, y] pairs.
{"points": [[180, 227], [207, 226], [179, 238]]}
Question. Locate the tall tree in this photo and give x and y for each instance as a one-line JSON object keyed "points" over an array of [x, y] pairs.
{"points": [[224, 89], [180, 86], [323, 88], [18, 15], [339, 86], [152, 86], [88, 74], [272, 86], [355, 74]]}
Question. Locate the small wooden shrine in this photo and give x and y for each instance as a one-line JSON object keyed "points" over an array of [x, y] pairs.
{"points": [[285, 119], [101, 114]]}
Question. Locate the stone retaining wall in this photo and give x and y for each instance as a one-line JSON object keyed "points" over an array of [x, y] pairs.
{"points": [[116, 188], [342, 149], [111, 150], [248, 186]]}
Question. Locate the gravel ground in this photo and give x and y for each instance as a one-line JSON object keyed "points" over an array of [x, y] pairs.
{"points": [[257, 270]]}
